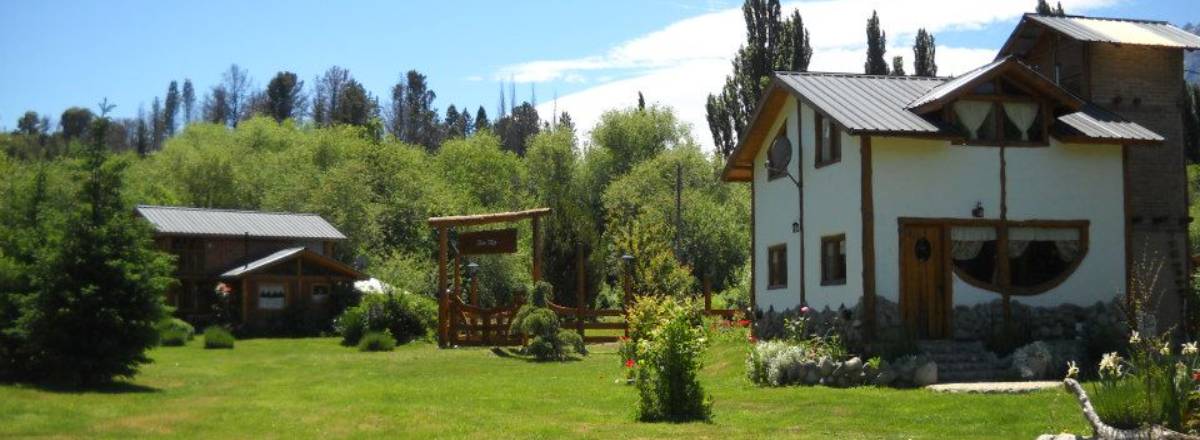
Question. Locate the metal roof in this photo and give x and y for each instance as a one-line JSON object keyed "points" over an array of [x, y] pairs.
{"points": [[1097, 123], [864, 103], [947, 87], [1119, 31], [262, 262], [220, 222]]}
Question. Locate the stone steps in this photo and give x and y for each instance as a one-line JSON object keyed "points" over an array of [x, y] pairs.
{"points": [[962, 361]]}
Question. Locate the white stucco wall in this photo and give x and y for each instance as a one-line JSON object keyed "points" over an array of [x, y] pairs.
{"points": [[832, 206], [922, 178]]}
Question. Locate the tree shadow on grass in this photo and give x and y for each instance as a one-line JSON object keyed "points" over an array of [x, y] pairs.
{"points": [[115, 387], [511, 353]]}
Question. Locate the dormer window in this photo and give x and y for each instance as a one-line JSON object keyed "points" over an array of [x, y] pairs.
{"points": [[1000, 113]]}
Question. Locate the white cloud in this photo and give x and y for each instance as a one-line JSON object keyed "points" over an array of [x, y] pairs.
{"points": [[680, 64]]}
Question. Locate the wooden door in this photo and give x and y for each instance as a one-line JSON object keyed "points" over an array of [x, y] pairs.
{"points": [[924, 291]]}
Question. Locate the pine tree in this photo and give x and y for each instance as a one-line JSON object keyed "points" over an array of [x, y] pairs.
{"points": [[1043, 8], [328, 91], [98, 284], [141, 137], [216, 107], [897, 66], [452, 121], [924, 53], [158, 129], [481, 120], [1058, 11], [285, 96], [189, 100], [876, 47], [171, 108], [355, 106], [420, 119], [466, 122]]}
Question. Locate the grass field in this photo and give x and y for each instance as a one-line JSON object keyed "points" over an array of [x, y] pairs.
{"points": [[281, 388]]}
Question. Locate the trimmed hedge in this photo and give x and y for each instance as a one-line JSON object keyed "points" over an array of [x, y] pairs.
{"points": [[405, 315], [217, 337], [377, 341]]}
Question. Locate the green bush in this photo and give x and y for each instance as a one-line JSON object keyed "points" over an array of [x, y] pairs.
{"points": [[174, 332], [669, 362], [540, 326], [405, 315], [1156, 385], [217, 337], [377, 341]]}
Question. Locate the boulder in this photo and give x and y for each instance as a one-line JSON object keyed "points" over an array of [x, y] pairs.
{"points": [[853, 366], [885, 377], [826, 366], [926, 374], [1032, 361]]}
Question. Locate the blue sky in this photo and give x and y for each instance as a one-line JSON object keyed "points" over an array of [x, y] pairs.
{"points": [[594, 55]]}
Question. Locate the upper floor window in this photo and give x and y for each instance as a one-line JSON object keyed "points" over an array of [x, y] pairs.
{"points": [[829, 141], [779, 154], [998, 113], [777, 266]]}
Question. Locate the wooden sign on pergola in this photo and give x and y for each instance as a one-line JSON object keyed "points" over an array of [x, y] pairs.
{"points": [[480, 242]]}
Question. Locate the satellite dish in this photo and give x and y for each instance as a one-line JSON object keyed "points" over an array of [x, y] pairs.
{"points": [[780, 154]]}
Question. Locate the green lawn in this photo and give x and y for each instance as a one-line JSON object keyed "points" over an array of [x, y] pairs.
{"points": [[280, 388]]}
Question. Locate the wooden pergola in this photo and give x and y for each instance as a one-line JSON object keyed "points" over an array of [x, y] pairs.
{"points": [[445, 224]]}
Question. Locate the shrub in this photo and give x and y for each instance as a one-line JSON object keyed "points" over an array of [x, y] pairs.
{"points": [[377, 341], [174, 332], [217, 337], [668, 362], [405, 315], [540, 326], [1156, 385]]}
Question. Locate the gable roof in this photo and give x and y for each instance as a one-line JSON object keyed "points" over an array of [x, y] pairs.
{"points": [[175, 220], [289, 254], [1004, 66], [1098, 30], [887, 106]]}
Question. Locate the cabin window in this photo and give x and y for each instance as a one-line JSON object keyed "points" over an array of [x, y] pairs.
{"points": [[320, 292], [271, 296], [829, 141], [1037, 257], [833, 260], [777, 266], [1000, 112]]}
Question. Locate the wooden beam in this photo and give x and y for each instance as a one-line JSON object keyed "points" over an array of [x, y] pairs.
{"points": [[443, 299], [580, 288], [482, 219], [537, 249], [868, 235]]}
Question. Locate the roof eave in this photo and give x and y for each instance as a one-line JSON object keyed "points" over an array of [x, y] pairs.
{"points": [[731, 162]]}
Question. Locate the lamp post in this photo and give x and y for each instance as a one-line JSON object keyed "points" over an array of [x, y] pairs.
{"points": [[472, 270]]}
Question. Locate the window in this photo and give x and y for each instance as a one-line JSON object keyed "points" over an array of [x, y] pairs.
{"points": [[829, 141], [320, 292], [270, 296], [999, 113], [777, 266], [1036, 258], [833, 260]]}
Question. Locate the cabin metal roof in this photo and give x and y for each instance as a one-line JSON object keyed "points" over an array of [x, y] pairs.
{"points": [[260, 263], [949, 86], [1099, 30], [175, 220], [1094, 122], [864, 103]]}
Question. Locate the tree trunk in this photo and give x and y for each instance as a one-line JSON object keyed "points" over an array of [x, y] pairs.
{"points": [[1106, 432]]}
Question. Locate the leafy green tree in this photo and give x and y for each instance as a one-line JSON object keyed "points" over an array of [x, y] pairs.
{"points": [[876, 47], [216, 105], [285, 96], [515, 129], [415, 120], [171, 108], [236, 83], [29, 124], [924, 54], [771, 44], [328, 92], [98, 283], [75, 121], [453, 122], [897, 66], [355, 106], [633, 136]]}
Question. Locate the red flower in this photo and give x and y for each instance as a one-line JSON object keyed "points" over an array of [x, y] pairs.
{"points": [[629, 363], [624, 339], [1196, 375], [753, 340]]}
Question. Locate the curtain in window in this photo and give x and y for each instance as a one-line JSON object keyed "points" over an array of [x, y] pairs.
{"points": [[1065, 239], [967, 241], [972, 114], [1022, 115]]}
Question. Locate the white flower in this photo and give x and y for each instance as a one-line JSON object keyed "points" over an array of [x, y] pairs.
{"points": [[1190, 349], [1072, 370], [1134, 338], [1110, 365], [1165, 350]]}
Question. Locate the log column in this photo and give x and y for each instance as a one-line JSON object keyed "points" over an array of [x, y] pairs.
{"points": [[443, 299]]}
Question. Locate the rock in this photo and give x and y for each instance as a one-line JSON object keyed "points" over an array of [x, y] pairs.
{"points": [[812, 378], [853, 366], [885, 378], [826, 366], [1032, 361], [926, 374]]}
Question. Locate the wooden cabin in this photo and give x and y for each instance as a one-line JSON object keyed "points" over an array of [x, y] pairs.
{"points": [[268, 261]]}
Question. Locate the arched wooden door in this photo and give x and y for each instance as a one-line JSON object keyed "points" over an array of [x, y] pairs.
{"points": [[925, 302]]}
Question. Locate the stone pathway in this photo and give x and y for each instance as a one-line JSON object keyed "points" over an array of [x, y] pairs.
{"points": [[995, 387]]}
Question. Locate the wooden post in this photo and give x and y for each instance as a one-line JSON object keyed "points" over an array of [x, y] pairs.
{"points": [[475, 290], [443, 299], [537, 249], [707, 293], [580, 288], [245, 301], [628, 297]]}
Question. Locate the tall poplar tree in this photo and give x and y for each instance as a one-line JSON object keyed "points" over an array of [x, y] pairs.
{"points": [[189, 100], [924, 53], [897, 66], [876, 47]]}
